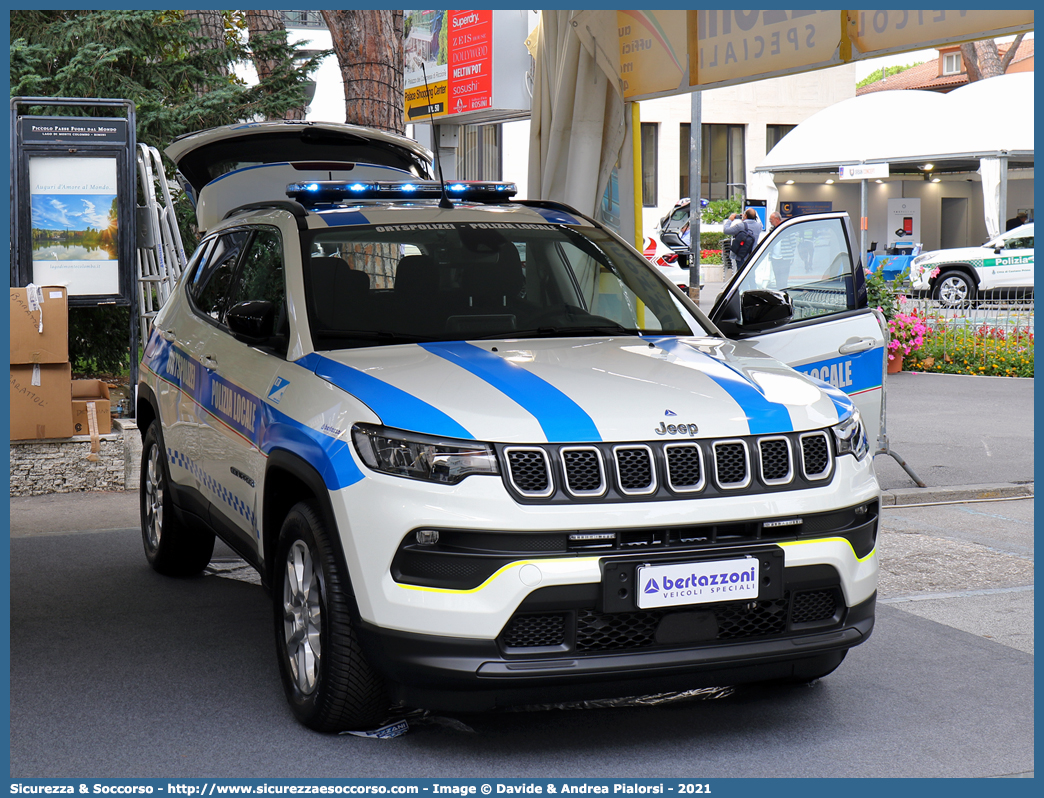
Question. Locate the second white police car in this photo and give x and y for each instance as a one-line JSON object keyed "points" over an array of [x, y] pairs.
{"points": [[482, 454]]}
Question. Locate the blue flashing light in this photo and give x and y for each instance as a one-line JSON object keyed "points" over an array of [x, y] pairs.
{"points": [[334, 191]]}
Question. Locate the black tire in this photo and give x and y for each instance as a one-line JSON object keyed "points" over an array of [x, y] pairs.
{"points": [[172, 547], [329, 684], [954, 289]]}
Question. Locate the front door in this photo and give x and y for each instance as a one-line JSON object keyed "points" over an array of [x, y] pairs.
{"points": [[833, 336]]}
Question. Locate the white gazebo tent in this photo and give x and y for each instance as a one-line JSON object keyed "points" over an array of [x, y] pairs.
{"points": [[986, 126]]}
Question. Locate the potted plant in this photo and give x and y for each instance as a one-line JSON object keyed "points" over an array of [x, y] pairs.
{"points": [[905, 336]]}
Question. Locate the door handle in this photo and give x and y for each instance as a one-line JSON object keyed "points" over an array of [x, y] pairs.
{"points": [[209, 363], [167, 335], [854, 345]]}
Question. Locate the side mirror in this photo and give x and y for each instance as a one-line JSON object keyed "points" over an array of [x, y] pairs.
{"points": [[763, 310], [252, 322]]}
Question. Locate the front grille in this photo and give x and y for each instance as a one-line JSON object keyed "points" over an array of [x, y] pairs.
{"points": [[597, 632], [662, 470]]}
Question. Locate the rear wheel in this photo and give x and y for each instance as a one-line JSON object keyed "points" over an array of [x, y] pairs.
{"points": [[954, 289], [173, 548], [327, 681]]}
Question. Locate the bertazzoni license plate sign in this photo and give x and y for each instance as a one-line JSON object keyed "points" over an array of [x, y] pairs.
{"points": [[698, 583]]}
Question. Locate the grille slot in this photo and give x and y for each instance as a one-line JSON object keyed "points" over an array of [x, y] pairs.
{"points": [[535, 631], [684, 467], [815, 455], [584, 475], [597, 632], [634, 469], [730, 464], [814, 605], [776, 466], [529, 472]]}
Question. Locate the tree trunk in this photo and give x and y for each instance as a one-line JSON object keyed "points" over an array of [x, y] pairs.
{"points": [[1008, 56], [369, 48], [211, 32], [982, 60], [259, 23]]}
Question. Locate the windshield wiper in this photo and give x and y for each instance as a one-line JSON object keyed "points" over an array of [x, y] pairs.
{"points": [[552, 332], [381, 336]]}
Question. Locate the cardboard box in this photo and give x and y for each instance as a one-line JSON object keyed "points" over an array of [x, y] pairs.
{"points": [[85, 393], [44, 410], [28, 343]]}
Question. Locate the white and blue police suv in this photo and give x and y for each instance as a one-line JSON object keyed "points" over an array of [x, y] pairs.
{"points": [[482, 454]]}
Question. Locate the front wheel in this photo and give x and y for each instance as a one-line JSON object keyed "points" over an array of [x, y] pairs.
{"points": [[172, 547], [954, 289], [327, 681]]}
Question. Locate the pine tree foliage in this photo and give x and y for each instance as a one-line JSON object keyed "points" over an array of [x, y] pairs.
{"points": [[154, 59]]}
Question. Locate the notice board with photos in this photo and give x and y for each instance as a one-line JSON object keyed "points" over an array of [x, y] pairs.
{"points": [[74, 197]]}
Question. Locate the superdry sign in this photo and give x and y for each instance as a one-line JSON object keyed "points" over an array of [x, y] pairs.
{"points": [[456, 49]]}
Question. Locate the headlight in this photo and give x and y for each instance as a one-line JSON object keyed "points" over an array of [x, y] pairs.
{"points": [[406, 454], [916, 262], [850, 437]]}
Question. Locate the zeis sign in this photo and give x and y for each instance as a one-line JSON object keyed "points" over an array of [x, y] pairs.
{"points": [[456, 49]]}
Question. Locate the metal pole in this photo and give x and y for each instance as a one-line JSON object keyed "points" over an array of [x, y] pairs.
{"points": [[863, 214], [695, 186]]}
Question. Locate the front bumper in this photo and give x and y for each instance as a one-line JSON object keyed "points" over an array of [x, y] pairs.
{"points": [[474, 675], [375, 516]]}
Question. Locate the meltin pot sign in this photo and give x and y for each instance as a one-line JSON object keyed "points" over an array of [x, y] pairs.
{"points": [[863, 171], [697, 583]]}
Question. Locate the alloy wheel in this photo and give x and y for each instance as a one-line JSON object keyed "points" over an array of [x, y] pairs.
{"points": [[302, 615]]}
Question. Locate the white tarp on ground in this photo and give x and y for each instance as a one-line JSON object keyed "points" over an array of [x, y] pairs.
{"points": [[578, 123], [985, 118]]}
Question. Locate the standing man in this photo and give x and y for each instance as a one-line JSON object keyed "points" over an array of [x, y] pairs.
{"points": [[748, 226], [781, 255], [1016, 221]]}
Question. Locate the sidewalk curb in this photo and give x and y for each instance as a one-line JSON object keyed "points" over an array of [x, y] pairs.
{"points": [[956, 493]]}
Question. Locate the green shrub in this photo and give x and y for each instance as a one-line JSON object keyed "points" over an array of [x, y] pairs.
{"points": [[719, 210], [99, 339]]}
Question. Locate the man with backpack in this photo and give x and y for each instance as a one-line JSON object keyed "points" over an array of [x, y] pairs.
{"points": [[745, 233]]}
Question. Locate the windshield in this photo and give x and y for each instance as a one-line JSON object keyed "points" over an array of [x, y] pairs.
{"points": [[389, 284]]}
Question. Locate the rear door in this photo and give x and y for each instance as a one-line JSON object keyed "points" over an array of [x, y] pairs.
{"points": [[833, 335]]}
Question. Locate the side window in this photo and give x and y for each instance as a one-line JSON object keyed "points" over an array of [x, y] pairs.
{"points": [[261, 275], [811, 263], [213, 277], [1025, 242]]}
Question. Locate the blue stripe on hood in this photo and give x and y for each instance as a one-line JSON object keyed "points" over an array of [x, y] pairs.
{"points": [[763, 417], [561, 419], [395, 407]]}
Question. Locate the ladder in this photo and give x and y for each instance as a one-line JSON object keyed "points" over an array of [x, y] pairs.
{"points": [[160, 253]]}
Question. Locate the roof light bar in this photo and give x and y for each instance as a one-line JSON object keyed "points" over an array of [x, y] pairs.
{"points": [[327, 192]]}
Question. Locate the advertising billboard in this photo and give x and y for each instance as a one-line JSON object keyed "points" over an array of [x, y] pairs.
{"points": [[454, 51]]}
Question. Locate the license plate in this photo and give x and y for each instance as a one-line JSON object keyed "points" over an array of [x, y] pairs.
{"points": [[703, 582]]}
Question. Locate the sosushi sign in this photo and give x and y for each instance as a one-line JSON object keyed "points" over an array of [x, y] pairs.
{"points": [[74, 214]]}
